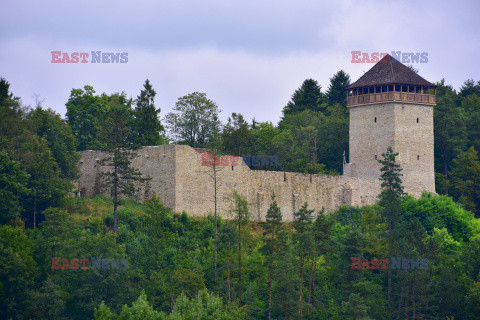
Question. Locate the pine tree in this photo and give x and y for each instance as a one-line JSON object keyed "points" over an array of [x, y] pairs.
{"points": [[449, 130], [307, 97], [227, 240], [285, 291], [303, 240], [147, 126], [236, 135], [117, 140], [336, 92], [272, 244], [351, 247], [239, 210], [321, 230], [390, 202], [465, 180], [392, 189]]}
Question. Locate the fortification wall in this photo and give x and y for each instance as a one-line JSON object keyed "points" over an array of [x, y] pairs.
{"points": [[195, 188], [182, 183], [157, 163]]}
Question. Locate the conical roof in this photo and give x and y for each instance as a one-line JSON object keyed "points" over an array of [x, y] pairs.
{"points": [[390, 71]]}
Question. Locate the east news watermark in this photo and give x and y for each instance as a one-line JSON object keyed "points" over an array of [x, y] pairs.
{"points": [[397, 263], [209, 160], [84, 264], [403, 57], [92, 57]]}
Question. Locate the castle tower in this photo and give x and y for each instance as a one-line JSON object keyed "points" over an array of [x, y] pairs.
{"points": [[391, 105]]}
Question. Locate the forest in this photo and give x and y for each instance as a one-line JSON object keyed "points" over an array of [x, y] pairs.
{"points": [[67, 257]]}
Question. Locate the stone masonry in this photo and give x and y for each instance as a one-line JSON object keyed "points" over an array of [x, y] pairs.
{"points": [[390, 105], [407, 128], [183, 184]]}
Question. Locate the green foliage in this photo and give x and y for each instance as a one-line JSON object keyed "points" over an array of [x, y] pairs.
{"points": [[241, 214], [195, 121], [117, 138], [49, 301], [392, 189], [465, 178], [85, 113], [13, 182], [355, 308], [274, 243], [272, 270], [139, 310], [204, 306], [304, 244], [337, 89], [236, 135], [17, 271], [441, 212], [46, 183], [390, 176], [12, 115], [307, 97], [146, 125], [333, 142], [469, 87], [272, 234], [48, 124], [285, 288], [449, 129]]}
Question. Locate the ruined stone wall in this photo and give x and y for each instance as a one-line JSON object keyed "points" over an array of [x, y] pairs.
{"points": [[157, 163], [195, 188], [182, 183]]}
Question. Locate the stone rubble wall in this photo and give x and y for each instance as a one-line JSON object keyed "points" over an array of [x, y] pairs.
{"points": [[184, 184]]}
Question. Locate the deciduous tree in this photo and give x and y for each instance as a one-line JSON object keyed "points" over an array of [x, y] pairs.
{"points": [[195, 121]]}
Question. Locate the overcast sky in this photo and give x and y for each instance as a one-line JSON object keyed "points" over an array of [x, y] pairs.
{"points": [[247, 56]]}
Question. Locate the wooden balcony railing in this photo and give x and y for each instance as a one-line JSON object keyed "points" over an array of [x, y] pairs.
{"points": [[391, 96]]}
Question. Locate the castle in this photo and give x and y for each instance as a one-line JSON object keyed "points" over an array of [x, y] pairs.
{"points": [[390, 105]]}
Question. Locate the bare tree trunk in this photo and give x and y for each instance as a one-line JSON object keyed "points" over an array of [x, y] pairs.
{"points": [[400, 302], [215, 214], [413, 303], [239, 261], [389, 290], [300, 299], [270, 297], [311, 284], [34, 212], [348, 285], [115, 195], [445, 171], [228, 279]]}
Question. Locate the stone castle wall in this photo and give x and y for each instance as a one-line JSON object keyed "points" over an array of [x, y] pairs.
{"points": [[157, 163], [183, 184]]}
